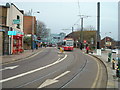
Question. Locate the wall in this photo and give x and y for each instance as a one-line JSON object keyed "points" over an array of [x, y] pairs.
{"points": [[108, 39], [12, 13], [28, 21], [1, 43], [3, 15]]}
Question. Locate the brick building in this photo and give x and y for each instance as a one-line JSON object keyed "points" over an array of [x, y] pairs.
{"points": [[28, 31], [4, 38], [108, 42], [89, 37], [28, 24]]}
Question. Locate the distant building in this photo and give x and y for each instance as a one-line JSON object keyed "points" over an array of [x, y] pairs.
{"points": [[11, 25], [89, 37], [108, 42], [55, 38]]}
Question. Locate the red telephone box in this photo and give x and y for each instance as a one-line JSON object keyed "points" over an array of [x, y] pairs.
{"points": [[17, 44]]}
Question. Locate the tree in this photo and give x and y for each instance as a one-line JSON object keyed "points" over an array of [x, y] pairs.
{"points": [[89, 28], [42, 31], [29, 13], [27, 40]]}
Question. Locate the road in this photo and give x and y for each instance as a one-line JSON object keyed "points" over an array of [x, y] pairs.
{"points": [[51, 69]]}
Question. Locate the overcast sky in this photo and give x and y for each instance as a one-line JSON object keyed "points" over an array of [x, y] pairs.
{"points": [[63, 15]]}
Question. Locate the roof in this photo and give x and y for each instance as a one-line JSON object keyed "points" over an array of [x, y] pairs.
{"points": [[13, 5]]}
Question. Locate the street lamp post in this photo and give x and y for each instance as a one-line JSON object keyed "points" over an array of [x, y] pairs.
{"points": [[32, 36], [10, 26]]}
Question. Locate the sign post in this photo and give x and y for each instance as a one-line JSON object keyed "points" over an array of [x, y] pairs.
{"points": [[16, 21]]}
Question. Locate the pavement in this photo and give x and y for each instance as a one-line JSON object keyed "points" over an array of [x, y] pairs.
{"points": [[20, 56], [113, 81]]}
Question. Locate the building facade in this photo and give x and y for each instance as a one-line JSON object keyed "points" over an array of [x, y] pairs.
{"points": [[108, 43], [88, 37], [12, 24], [55, 38], [3, 31], [29, 25]]}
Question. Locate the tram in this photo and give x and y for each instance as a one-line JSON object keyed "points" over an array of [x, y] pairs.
{"points": [[67, 44]]}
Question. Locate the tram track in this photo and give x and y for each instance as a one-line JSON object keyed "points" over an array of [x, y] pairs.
{"points": [[78, 73], [77, 64]]}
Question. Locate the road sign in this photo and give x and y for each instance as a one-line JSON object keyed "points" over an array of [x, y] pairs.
{"points": [[84, 41], [15, 33], [12, 33], [16, 21]]}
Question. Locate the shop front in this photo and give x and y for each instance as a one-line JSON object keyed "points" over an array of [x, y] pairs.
{"points": [[17, 41], [17, 44]]}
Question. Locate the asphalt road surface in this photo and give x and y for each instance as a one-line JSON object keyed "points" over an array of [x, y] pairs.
{"points": [[51, 69]]}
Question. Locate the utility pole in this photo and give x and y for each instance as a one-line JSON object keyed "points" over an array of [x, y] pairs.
{"points": [[98, 25], [32, 33], [72, 29], [98, 29], [81, 32]]}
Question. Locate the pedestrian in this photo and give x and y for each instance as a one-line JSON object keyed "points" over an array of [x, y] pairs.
{"points": [[113, 63], [87, 49], [117, 71], [36, 45]]}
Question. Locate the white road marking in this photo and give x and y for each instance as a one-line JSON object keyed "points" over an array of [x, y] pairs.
{"points": [[58, 59], [98, 72], [51, 81], [22, 59], [11, 67], [32, 71]]}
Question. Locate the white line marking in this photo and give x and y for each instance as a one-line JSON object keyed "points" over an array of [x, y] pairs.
{"points": [[51, 81], [98, 72], [61, 75], [32, 71], [11, 67]]}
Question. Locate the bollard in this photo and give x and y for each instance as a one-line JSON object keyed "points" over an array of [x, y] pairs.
{"points": [[113, 63], [109, 57], [119, 66], [60, 49], [117, 72]]}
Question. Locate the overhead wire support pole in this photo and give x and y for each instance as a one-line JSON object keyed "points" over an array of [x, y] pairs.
{"points": [[33, 27], [98, 25], [98, 30], [81, 32], [72, 29]]}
